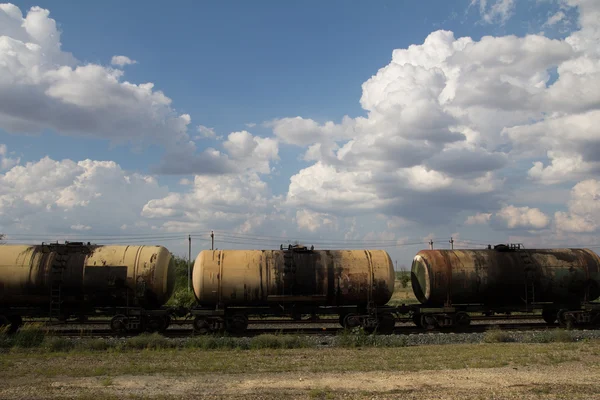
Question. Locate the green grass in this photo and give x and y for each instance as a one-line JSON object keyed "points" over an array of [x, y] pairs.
{"points": [[402, 295], [497, 336], [317, 393], [556, 336], [125, 373], [358, 338], [106, 381], [268, 360], [182, 297]]}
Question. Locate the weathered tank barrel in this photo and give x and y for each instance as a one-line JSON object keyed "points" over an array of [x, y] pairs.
{"points": [[324, 277], [505, 276], [87, 273]]}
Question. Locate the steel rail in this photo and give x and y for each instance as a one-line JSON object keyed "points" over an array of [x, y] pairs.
{"points": [[270, 321], [402, 330]]}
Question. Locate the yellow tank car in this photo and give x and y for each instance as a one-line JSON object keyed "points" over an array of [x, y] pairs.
{"points": [[231, 285], [324, 277], [68, 279]]}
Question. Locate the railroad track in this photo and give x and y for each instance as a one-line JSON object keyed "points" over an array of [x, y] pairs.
{"points": [[399, 330], [294, 322]]}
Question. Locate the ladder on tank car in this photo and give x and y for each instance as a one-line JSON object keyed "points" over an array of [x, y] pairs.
{"points": [[529, 277], [59, 264]]}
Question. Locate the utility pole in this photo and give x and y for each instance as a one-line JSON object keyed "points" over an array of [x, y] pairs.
{"points": [[189, 259], [212, 240], [396, 269], [452, 242], [430, 244]]}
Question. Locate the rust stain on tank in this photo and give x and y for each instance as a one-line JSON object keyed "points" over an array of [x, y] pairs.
{"points": [[337, 277], [505, 276], [87, 270]]}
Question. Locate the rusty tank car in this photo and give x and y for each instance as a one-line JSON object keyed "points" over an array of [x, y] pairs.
{"points": [[231, 284], [75, 279], [557, 281]]}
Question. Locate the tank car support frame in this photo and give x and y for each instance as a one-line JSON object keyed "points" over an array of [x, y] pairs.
{"points": [[137, 319], [589, 314]]}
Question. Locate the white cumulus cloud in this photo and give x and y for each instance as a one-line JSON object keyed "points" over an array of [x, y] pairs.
{"points": [[479, 218], [447, 119], [584, 209], [313, 221], [523, 217], [53, 197], [43, 87], [122, 61], [498, 11]]}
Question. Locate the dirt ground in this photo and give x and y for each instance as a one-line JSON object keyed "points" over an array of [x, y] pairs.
{"points": [[568, 380], [466, 371]]}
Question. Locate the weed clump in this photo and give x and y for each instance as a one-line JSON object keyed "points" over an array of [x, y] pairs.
{"points": [[152, 341], [358, 337], [214, 342], [495, 335], [96, 344], [268, 341], [27, 337], [325, 393], [57, 344], [555, 336]]}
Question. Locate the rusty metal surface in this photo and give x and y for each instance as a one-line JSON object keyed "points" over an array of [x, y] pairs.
{"points": [[257, 277], [92, 274], [507, 277], [148, 271]]}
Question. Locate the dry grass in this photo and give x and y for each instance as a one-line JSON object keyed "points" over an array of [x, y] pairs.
{"points": [[169, 361], [448, 371], [402, 295]]}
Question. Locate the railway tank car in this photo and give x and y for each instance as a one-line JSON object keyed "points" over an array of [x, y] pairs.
{"points": [[75, 279], [557, 281], [229, 285]]}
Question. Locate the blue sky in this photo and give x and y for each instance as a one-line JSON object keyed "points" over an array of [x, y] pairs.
{"points": [[230, 63], [236, 65], [235, 62]]}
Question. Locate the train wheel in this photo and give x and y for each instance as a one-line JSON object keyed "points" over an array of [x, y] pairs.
{"points": [[416, 318], [201, 326], [565, 319], [549, 316], [595, 319], [156, 324], [236, 324], [570, 322], [386, 324], [428, 322], [462, 319], [351, 321], [118, 324]]}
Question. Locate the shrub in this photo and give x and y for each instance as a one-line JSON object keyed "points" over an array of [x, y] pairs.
{"points": [[55, 343], [214, 342], [554, 336], [181, 296], [266, 341], [96, 344], [358, 337], [497, 336], [28, 336], [148, 341]]}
